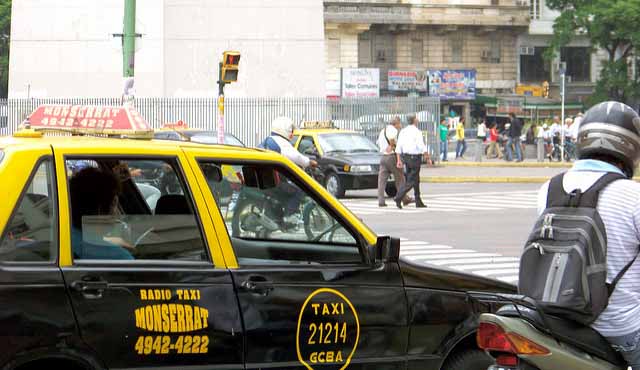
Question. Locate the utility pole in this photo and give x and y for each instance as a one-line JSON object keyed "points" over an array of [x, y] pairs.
{"points": [[128, 36], [563, 71]]}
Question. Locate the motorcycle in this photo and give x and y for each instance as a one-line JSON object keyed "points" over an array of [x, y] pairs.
{"points": [[263, 213], [519, 336]]}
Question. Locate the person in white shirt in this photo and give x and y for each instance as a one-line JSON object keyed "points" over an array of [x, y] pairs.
{"points": [[390, 162], [575, 127], [609, 142], [412, 149]]}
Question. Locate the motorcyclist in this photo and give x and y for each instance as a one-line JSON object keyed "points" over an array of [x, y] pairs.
{"points": [[279, 141], [287, 192], [609, 141]]}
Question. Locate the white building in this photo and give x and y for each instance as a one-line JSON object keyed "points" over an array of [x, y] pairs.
{"points": [[66, 48], [582, 66]]}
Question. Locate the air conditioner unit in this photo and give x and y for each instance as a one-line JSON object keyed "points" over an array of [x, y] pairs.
{"points": [[522, 2], [527, 50], [486, 54]]}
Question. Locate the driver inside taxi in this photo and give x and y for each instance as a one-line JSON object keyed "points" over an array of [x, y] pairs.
{"points": [[93, 193]]}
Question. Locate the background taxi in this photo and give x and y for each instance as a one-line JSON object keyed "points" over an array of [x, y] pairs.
{"points": [[347, 159], [246, 263]]}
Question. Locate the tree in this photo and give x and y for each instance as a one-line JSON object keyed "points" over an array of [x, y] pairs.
{"points": [[5, 33], [611, 25]]}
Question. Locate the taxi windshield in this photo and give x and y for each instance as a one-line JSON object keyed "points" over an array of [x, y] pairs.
{"points": [[346, 143], [210, 137]]}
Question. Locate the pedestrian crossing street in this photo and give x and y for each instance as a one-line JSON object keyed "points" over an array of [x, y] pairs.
{"points": [[492, 265], [463, 202]]}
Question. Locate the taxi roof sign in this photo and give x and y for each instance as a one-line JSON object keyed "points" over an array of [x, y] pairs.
{"points": [[90, 119], [317, 124], [178, 125]]}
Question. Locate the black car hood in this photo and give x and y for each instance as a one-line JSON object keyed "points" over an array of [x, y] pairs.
{"points": [[355, 158], [435, 277]]}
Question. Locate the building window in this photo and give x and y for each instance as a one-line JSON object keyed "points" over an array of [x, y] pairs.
{"points": [[364, 50], [578, 61], [535, 8], [456, 43], [495, 48], [334, 51], [533, 66], [417, 50], [384, 45]]}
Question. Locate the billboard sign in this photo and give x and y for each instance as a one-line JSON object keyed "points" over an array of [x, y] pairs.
{"points": [[407, 80], [452, 84], [360, 83]]}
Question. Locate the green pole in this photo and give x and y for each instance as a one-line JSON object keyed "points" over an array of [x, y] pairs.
{"points": [[129, 38]]}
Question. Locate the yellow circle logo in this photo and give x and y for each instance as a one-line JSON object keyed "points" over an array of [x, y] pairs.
{"points": [[328, 330]]}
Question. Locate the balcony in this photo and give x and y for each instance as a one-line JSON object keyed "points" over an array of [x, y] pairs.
{"points": [[429, 12]]}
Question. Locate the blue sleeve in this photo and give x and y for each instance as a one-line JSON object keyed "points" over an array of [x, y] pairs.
{"points": [[270, 144]]}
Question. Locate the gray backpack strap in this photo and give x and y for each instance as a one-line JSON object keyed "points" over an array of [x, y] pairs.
{"points": [[557, 197], [611, 287]]}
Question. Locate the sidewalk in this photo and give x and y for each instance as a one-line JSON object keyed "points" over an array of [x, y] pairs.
{"points": [[483, 172]]}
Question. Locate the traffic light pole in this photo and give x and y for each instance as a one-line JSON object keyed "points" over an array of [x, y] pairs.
{"points": [[220, 106], [562, 77]]}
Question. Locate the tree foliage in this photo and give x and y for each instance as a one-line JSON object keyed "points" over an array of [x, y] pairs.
{"points": [[5, 33], [611, 25]]}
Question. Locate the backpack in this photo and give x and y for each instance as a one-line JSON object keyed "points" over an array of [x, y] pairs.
{"points": [[564, 263]]}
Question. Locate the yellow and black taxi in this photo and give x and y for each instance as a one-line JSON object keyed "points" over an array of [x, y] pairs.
{"points": [[246, 263], [347, 159]]}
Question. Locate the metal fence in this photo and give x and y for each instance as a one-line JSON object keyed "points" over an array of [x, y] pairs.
{"points": [[250, 118]]}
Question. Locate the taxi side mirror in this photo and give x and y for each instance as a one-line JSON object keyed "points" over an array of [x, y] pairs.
{"points": [[259, 177], [387, 249]]}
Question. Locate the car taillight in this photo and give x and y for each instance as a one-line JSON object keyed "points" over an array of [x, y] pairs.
{"points": [[492, 337]]}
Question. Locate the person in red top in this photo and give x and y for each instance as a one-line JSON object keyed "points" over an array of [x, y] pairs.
{"points": [[494, 149]]}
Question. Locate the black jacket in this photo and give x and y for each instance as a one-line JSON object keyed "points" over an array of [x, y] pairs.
{"points": [[516, 128]]}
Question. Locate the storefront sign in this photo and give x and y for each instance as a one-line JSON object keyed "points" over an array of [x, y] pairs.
{"points": [[452, 84], [407, 80], [360, 83], [529, 90]]}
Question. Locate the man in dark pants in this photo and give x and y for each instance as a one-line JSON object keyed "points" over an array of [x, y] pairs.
{"points": [[411, 148], [515, 131]]}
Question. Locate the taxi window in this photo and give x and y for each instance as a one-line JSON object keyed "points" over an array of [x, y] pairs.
{"points": [[307, 146], [294, 140], [132, 209], [31, 233], [272, 218]]}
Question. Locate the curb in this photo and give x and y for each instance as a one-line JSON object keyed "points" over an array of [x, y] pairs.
{"points": [[507, 164], [485, 179]]}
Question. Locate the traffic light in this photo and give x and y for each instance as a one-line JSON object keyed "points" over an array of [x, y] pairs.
{"points": [[230, 62]]}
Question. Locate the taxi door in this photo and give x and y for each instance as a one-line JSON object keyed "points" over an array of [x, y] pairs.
{"points": [[308, 296], [146, 279]]}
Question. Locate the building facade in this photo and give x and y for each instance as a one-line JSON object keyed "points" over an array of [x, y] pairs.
{"points": [[582, 65], [68, 49], [478, 35]]}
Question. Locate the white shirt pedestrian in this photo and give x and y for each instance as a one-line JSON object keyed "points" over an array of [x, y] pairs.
{"points": [[411, 141], [386, 135]]}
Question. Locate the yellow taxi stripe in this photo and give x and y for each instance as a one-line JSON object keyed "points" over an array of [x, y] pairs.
{"points": [[218, 228], [64, 215], [204, 201]]}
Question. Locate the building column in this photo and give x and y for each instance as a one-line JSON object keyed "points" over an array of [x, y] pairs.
{"points": [[341, 51]]}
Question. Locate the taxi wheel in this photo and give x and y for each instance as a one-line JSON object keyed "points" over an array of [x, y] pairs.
{"points": [[472, 359], [334, 185]]}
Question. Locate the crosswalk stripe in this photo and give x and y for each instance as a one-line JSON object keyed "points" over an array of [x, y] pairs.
{"points": [[476, 260], [509, 279], [484, 265], [460, 205], [441, 256], [496, 272]]}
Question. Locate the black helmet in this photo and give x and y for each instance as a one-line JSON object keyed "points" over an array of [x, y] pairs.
{"points": [[611, 129]]}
